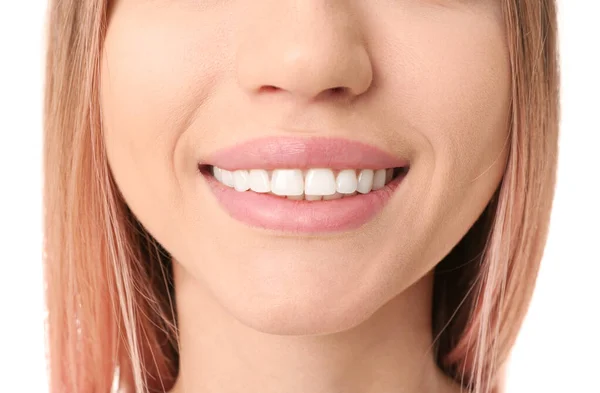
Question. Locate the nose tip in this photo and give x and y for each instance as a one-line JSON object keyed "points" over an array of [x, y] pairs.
{"points": [[309, 77], [312, 57]]}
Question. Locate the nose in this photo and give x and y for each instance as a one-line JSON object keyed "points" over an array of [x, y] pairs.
{"points": [[307, 48]]}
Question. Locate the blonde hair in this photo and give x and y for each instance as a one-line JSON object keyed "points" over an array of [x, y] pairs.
{"points": [[109, 283]]}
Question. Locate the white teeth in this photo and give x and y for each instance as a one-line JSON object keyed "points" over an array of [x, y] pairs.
{"points": [[227, 178], [313, 197], [287, 182], [310, 184], [337, 195], [319, 182], [217, 173], [365, 181], [346, 181], [241, 180], [259, 180], [379, 179]]}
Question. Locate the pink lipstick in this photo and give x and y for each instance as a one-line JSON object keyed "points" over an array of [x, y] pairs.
{"points": [[303, 185]]}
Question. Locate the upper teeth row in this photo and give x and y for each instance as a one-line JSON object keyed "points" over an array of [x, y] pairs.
{"points": [[312, 182]]}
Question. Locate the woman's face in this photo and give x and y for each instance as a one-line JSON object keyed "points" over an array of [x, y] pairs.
{"points": [[425, 83]]}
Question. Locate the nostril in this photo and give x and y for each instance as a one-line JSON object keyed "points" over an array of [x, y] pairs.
{"points": [[339, 92], [268, 89], [333, 92]]}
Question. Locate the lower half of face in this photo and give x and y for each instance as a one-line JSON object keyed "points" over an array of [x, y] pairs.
{"points": [[304, 166]]}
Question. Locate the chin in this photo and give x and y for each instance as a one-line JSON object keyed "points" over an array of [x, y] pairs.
{"points": [[311, 313]]}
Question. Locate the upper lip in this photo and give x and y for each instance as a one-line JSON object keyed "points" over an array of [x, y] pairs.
{"points": [[295, 152]]}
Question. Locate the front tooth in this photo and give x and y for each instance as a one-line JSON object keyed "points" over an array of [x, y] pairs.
{"points": [[227, 177], [259, 180], [365, 181], [295, 197], [287, 182], [346, 181], [379, 179], [241, 180], [319, 182]]}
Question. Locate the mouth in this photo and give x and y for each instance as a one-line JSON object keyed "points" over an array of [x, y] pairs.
{"points": [[314, 184], [303, 185]]}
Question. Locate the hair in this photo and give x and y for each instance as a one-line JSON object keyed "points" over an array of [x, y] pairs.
{"points": [[109, 289]]}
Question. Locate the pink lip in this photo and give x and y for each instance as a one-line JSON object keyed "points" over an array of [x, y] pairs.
{"points": [[286, 215], [289, 152]]}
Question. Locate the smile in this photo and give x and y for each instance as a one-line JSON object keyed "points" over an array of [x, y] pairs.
{"points": [[314, 184], [303, 185]]}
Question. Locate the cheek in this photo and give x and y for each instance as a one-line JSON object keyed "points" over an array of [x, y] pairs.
{"points": [[467, 116], [157, 71], [449, 80], [466, 121], [449, 89]]}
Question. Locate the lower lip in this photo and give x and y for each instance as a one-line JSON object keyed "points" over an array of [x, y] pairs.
{"points": [[300, 216]]}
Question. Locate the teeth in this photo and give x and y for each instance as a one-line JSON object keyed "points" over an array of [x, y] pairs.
{"points": [[379, 179], [346, 181], [312, 184], [389, 174], [314, 197], [259, 180], [241, 180], [337, 195], [365, 181], [319, 182], [227, 178], [217, 173], [287, 182]]}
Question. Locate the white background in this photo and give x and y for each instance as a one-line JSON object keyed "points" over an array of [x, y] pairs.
{"points": [[558, 349]]}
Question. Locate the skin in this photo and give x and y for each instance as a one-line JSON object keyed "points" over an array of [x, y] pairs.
{"points": [[266, 312]]}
